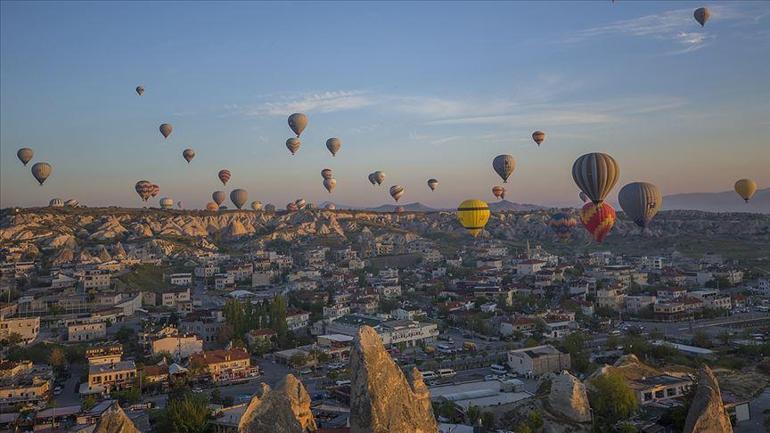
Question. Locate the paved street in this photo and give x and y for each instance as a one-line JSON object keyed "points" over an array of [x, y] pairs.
{"points": [[758, 407], [69, 395]]}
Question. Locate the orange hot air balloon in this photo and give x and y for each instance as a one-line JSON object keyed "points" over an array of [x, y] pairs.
{"points": [[211, 206], [598, 219]]}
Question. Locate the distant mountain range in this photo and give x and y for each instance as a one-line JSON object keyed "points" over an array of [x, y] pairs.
{"points": [[497, 206], [727, 201]]}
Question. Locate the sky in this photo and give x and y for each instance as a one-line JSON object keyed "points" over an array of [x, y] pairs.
{"points": [[417, 90]]}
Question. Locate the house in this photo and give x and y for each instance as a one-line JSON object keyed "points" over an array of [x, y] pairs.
{"points": [[529, 267], [519, 324], [23, 383], [637, 303], [104, 354], [669, 311], [86, 331], [104, 378], [654, 389], [180, 279], [670, 294], [178, 346], [224, 365], [95, 279], [297, 319], [538, 360], [175, 297], [26, 328]]}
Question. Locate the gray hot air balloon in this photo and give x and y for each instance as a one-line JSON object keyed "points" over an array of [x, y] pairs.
{"points": [[333, 144], [140, 90], [504, 166], [583, 196], [218, 197], [166, 129], [166, 203], [396, 191], [293, 145], [595, 174], [372, 180], [256, 205], [701, 15], [538, 136], [41, 171], [56, 202], [329, 184], [25, 155], [432, 184], [297, 123], [270, 207], [239, 197], [330, 206], [326, 173], [72, 203], [379, 177], [640, 201], [188, 155]]}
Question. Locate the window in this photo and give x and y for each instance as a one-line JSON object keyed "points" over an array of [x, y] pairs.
{"points": [[647, 396], [659, 394]]}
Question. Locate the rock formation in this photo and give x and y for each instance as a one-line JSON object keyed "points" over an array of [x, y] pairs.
{"points": [[381, 398], [707, 412], [568, 398], [114, 420], [285, 409]]}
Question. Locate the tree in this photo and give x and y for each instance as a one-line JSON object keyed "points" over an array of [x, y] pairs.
{"points": [[701, 339], [57, 359], [488, 420], [473, 413], [611, 398], [298, 360], [278, 319], [523, 428], [89, 402], [535, 420], [188, 414]]}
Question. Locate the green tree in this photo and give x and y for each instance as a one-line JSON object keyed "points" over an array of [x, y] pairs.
{"points": [[535, 420], [278, 319], [57, 359], [88, 402], [523, 428], [488, 420], [473, 413], [627, 428], [298, 360], [701, 339], [611, 398], [188, 414]]}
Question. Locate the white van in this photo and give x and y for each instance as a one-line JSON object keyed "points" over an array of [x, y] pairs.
{"points": [[497, 369], [429, 375], [444, 348], [446, 372]]}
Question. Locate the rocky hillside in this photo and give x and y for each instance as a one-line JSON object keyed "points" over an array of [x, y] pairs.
{"points": [[64, 233]]}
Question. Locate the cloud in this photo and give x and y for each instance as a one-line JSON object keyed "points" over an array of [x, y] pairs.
{"points": [[666, 26], [324, 102]]}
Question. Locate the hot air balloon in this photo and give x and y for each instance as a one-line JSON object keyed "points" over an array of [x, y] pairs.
{"points": [[330, 184], [432, 184], [297, 123], [396, 191], [399, 209], [333, 144], [154, 190], [179, 204], [326, 173], [583, 196], [218, 197], [56, 202], [640, 201], [595, 174], [166, 203], [504, 166], [498, 191], [25, 155], [330, 206], [746, 188], [379, 177], [701, 15], [41, 171], [166, 129], [256, 205], [473, 215], [562, 225], [292, 207], [140, 90], [300, 202], [372, 180], [72, 203], [222, 207], [538, 136], [598, 219], [293, 145], [224, 176], [143, 188], [211, 206], [270, 207], [239, 197], [188, 155]]}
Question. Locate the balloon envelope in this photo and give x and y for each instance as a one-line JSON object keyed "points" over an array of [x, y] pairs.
{"points": [[166, 129], [56, 202], [41, 171], [396, 191], [330, 206], [379, 177], [504, 166], [297, 123], [293, 145], [641, 201], [256, 205], [326, 173], [432, 184], [224, 176], [746, 189], [583, 196], [144, 189], [188, 155], [498, 191], [166, 203], [473, 215], [562, 225], [538, 136], [25, 155], [595, 174], [701, 15], [372, 179], [333, 144], [598, 219], [211, 206], [218, 197], [330, 184], [140, 90], [239, 197]]}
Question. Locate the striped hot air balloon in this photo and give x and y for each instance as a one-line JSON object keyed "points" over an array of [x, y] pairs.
{"points": [[218, 197], [562, 225], [498, 191], [166, 203], [598, 219], [473, 215], [396, 191], [56, 202], [155, 190], [595, 174], [224, 176], [144, 189]]}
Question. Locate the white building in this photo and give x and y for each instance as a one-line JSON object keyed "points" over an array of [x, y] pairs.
{"points": [[181, 279]]}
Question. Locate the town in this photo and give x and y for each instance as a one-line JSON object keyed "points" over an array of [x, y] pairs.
{"points": [[121, 310]]}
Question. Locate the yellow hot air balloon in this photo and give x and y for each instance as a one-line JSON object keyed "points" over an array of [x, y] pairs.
{"points": [[746, 188], [473, 215]]}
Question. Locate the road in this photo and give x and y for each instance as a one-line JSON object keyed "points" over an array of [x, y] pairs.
{"points": [[758, 407], [712, 327], [69, 395]]}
